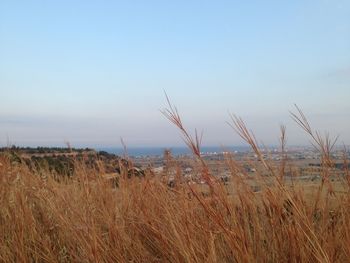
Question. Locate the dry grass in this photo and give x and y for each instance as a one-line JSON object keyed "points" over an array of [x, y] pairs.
{"points": [[84, 219]]}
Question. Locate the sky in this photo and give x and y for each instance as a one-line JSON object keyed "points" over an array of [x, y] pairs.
{"points": [[92, 72]]}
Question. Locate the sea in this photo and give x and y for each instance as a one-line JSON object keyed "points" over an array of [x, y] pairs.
{"points": [[176, 151]]}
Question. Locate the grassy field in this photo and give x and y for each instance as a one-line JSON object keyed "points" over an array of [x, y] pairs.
{"points": [[86, 218]]}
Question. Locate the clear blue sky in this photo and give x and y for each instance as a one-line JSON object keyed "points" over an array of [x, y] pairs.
{"points": [[90, 72]]}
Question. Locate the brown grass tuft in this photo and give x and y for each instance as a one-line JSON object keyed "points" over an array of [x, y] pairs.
{"points": [[84, 219]]}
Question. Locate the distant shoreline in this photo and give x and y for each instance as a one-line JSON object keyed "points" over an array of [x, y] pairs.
{"points": [[177, 151], [140, 152]]}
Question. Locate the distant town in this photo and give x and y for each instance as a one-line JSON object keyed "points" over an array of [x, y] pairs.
{"points": [[302, 162]]}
